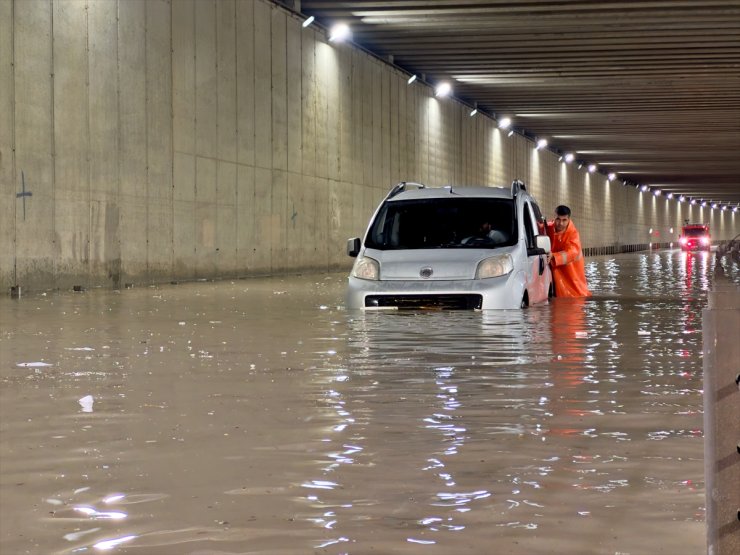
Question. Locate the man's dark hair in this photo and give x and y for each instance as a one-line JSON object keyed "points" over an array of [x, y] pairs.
{"points": [[562, 210]]}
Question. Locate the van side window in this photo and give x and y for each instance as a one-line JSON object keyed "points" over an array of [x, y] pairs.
{"points": [[528, 226], [539, 219]]}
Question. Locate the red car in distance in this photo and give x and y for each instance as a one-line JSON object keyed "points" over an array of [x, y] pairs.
{"points": [[695, 237]]}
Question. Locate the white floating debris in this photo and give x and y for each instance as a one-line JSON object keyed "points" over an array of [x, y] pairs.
{"points": [[79, 349], [643, 332], [581, 334], [87, 403], [74, 536], [181, 323], [33, 364], [110, 544]]}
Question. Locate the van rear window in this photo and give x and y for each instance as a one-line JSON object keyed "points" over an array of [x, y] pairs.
{"points": [[443, 223]]}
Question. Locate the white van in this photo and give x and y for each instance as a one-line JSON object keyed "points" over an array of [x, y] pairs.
{"points": [[452, 247]]}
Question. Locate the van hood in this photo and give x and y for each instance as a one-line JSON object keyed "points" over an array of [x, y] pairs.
{"points": [[431, 264]]}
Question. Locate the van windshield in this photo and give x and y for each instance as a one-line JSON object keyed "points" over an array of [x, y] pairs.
{"points": [[439, 223], [694, 231]]}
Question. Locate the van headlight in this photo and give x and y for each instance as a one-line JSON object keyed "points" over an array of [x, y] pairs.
{"points": [[366, 268], [495, 266]]}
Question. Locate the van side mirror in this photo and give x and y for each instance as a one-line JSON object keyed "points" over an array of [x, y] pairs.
{"points": [[353, 246], [542, 246], [543, 242]]}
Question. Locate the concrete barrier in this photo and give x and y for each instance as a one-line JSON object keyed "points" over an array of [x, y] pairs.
{"points": [[721, 328]]}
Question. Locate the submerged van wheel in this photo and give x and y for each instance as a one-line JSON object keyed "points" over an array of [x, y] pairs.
{"points": [[525, 300]]}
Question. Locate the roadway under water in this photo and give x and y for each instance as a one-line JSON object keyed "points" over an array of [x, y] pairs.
{"points": [[259, 416]]}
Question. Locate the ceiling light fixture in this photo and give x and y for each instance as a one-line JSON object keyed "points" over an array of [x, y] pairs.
{"points": [[542, 143], [339, 33], [681, 198], [473, 112], [510, 133], [308, 21], [569, 158], [612, 176], [591, 168], [669, 195], [644, 188], [411, 79], [504, 123], [657, 192], [443, 89]]}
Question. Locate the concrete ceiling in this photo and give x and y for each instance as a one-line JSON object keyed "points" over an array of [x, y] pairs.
{"points": [[649, 89]]}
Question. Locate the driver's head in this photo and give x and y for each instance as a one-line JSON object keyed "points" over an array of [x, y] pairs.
{"points": [[562, 218]]}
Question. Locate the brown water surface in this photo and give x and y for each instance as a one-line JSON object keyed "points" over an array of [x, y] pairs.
{"points": [[259, 416]]}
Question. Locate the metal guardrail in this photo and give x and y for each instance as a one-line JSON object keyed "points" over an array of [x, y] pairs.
{"points": [[731, 249]]}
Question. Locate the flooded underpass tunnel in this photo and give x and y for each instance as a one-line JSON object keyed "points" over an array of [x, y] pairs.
{"points": [[261, 416]]}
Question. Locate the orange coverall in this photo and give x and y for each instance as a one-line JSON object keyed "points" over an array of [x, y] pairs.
{"points": [[568, 269]]}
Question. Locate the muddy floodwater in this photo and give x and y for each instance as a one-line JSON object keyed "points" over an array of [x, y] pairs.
{"points": [[260, 416]]}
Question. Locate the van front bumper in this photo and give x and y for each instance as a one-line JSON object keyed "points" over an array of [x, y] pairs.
{"points": [[503, 292]]}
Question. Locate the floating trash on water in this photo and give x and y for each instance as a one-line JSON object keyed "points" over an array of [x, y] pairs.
{"points": [[74, 536], [87, 403], [33, 364]]}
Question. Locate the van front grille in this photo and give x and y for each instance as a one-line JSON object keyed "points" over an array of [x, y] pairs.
{"points": [[439, 302]]}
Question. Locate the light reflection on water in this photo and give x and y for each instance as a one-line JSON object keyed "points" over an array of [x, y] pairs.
{"points": [[259, 416]]}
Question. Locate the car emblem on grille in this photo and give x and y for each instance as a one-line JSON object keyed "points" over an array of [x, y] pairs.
{"points": [[426, 272]]}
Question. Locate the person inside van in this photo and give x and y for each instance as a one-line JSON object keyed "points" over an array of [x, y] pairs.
{"points": [[486, 234], [566, 257]]}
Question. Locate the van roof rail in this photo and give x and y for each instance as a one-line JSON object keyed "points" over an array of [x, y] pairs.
{"points": [[400, 187], [516, 186]]}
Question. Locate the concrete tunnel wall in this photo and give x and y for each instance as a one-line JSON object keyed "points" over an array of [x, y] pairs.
{"points": [[175, 140]]}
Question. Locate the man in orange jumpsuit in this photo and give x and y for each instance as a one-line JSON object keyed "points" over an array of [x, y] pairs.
{"points": [[566, 258]]}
